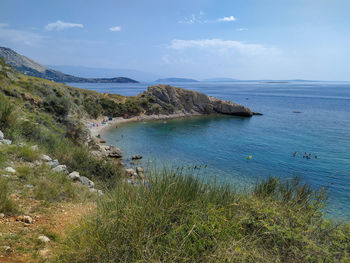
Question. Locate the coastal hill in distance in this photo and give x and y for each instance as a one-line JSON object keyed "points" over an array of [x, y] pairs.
{"points": [[176, 80], [220, 80], [92, 72], [29, 67]]}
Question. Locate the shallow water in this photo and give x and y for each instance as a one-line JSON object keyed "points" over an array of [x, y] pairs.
{"points": [[223, 143]]}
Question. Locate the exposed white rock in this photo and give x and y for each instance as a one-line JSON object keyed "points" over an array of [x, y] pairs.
{"points": [[74, 176], [2, 215], [1, 135], [130, 172], [86, 181], [10, 170], [44, 239], [4, 141], [60, 169], [45, 158], [53, 163]]}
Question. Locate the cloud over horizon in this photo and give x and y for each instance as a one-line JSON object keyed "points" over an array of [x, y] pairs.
{"points": [[115, 28], [60, 25], [220, 45]]}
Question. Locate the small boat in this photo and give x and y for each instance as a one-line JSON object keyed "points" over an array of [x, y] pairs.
{"points": [[296, 111], [249, 157]]}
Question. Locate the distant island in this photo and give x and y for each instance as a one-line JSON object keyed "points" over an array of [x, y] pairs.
{"points": [[220, 80], [30, 67], [176, 80]]}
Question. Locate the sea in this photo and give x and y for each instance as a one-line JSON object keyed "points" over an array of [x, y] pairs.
{"points": [[300, 118]]}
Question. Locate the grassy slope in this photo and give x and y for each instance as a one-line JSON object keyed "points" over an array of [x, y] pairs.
{"points": [[177, 219]]}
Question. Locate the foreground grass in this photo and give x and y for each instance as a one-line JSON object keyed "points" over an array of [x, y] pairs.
{"points": [[181, 219]]}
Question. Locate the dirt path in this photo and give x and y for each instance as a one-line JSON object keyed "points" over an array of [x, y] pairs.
{"points": [[52, 222]]}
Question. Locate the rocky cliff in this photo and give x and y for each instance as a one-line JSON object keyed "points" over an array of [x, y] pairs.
{"points": [[189, 101]]}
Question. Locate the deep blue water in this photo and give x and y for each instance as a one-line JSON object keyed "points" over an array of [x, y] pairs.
{"points": [[223, 143]]}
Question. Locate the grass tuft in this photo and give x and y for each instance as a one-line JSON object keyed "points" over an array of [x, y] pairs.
{"points": [[7, 206], [181, 219]]}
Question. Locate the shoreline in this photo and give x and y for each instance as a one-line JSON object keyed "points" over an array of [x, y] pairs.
{"points": [[98, 130]]}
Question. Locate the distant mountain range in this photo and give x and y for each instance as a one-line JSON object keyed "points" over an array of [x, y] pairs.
{"points": [[220, 80], [30, 67], [176, 80], [90, 72]]}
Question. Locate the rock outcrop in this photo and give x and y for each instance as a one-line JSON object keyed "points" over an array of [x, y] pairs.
{"points": [[188, 101]]}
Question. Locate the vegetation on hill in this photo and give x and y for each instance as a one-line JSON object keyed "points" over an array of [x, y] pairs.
{"points": [[181, 219], [174, 218]]}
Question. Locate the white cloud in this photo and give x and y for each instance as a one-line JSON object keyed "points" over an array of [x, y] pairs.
{"points": [[60, 25], [201, 19], [227, 19], [115, 28], [242, 29], [194, 19], [222, 46], [3, 24]]}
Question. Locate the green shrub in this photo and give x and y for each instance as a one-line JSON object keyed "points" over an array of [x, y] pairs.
{"points": [[93, 108], [7, 113], [7, 206], [57, 105], [28, 154], [55, 187], [180, 219]]}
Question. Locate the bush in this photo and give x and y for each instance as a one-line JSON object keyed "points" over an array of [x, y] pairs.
{"points": [[7, 113], [57, 105], [7, 206], [92, 108], [55, 187], [28, 154], [180, 219]]}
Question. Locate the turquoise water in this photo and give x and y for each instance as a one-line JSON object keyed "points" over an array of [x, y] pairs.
{"points": [[223, 143]]}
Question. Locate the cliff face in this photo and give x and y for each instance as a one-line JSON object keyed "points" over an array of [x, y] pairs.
{"points": [[189, 101]]}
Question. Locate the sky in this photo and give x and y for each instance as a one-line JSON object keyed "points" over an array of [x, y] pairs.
{"points": [[242, 39]]}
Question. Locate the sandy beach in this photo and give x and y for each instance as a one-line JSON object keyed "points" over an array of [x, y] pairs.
{"points": [[98, 130]]}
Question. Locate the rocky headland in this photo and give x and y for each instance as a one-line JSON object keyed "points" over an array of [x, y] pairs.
{"points": [[193, 102]]}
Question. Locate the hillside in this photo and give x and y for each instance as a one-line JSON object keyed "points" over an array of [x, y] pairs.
{"points": [[31, 68]]}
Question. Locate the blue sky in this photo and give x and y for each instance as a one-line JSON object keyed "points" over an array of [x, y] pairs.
{"points": [[245, 39]]}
